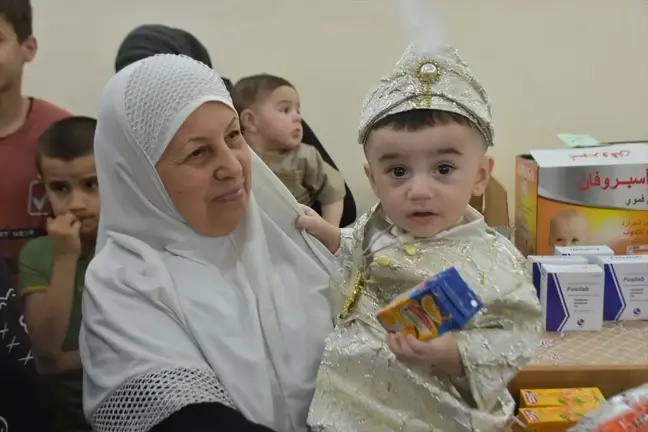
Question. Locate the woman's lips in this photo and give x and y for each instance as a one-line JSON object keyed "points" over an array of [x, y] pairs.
{"points": [[234, 195]]}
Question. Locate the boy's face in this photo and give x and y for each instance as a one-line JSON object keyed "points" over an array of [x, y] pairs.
{"points": [[277, 119], [71, 187], [424, 179], [13, 54], [568, 231]]}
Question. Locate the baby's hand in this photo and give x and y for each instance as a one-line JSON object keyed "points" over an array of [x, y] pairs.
{"points": [[316, 226], [441, 352]]}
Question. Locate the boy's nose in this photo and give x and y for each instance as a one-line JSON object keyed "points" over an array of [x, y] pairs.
{"points": [[420, 190]]}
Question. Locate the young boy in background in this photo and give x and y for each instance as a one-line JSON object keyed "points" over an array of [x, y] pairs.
{"points": [[23, 206], [52, 268], [270, 113], [425, 130]]}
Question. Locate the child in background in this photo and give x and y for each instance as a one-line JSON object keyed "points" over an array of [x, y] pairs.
{"points": [[52, 268], [425, 130], [568, 228], [270, 113]]}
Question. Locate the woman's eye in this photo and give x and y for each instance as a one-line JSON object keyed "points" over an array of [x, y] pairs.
{"points": [[445, 169], [398, 172], [197, 153]]}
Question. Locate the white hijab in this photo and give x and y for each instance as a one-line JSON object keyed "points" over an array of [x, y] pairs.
{"points": [[172, 318]]}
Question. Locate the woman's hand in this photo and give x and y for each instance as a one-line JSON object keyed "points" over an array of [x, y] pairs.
{"points": [[316, 226]]}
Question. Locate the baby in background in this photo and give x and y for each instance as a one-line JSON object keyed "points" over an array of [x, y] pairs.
{"points": [[270, 113], [568, 228], [425, 130]]}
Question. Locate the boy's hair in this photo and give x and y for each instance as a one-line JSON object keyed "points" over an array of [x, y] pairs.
{"points": [[18, 13], [249, 90], [67, 139], [415, 120]]}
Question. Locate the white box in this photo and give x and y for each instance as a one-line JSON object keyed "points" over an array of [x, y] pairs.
{"points": [[572, 297], [626, 287], [590, 252], [536, 261]]}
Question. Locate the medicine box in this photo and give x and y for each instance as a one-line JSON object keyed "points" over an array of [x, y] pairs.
{"points": [[572, 297], [536, 262], [626, 287], [582, 196], [589, 252]]}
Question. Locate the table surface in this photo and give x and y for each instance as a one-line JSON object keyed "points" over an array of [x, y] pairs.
{"points": [[618, 345], [614, 359]]}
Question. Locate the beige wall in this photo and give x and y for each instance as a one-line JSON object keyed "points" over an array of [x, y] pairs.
{"points": [[551, 66]]}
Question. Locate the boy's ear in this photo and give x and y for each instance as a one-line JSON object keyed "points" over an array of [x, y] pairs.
{"points": [[248, 121], [483, 175], [29, 47], [370, 177]]}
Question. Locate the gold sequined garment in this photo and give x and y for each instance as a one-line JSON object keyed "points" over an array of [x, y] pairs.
{"points": [[361, 387]]}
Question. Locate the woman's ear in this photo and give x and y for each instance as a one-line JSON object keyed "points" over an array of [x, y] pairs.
{"points": [[248, 121]]}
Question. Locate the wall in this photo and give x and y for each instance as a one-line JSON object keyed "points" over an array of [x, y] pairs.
{"points": [[552, 66]]}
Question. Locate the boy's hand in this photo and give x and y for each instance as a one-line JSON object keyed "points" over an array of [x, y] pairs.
{"points": [[441, 352], [64, 232], [316, 226]]}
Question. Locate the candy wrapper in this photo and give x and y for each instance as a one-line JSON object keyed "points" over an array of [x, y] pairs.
{"points": [[444, 303], [627, 412]]}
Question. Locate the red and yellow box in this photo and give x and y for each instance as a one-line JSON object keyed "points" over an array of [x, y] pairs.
{"points": [[586, 397], [551, 419]]}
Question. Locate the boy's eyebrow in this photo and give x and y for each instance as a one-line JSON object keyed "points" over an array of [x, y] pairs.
{"points": [[437, 152]]}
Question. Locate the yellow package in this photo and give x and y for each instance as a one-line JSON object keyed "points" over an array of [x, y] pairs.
{"points": [[551, 419], [577, 397]]}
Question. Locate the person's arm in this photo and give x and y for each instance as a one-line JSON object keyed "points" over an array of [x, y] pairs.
{"points": [[328, 184], [48, 307], [332, 213], [208, 417]]}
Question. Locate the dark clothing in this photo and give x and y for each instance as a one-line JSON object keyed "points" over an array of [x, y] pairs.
{"points": [[23, 405], [208, 417]]}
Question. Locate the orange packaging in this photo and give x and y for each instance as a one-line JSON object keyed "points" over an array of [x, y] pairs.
{"points": [[635, 420], [582, 196], [589, 397], [551, 419]]}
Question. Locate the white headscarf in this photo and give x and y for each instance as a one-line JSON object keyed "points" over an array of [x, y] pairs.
{"points": [[172, 318]]}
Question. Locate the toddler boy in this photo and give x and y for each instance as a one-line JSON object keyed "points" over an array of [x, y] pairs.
{"points": [[425, 130], [270, 112]]}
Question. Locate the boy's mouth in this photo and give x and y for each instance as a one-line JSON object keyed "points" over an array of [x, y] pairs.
{"points": [[422, 215]]}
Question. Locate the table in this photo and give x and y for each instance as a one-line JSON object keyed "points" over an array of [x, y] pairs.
{"points": [[614, 359]]}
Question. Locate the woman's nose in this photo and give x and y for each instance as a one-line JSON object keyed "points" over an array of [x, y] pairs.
{"points": [[227, 165]]}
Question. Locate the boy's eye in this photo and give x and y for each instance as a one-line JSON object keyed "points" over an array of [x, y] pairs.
{"points": [[398, 172], [444, 169], [233, 135], [92, 184]]}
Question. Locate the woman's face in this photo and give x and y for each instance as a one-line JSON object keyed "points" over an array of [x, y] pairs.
{"points": [[206, 170]]}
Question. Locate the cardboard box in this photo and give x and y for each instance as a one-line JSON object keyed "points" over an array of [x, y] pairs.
{"points": [[626, 287], [579, 397], [590, 196]]}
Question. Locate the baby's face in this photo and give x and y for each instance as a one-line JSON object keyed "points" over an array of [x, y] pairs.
{"points": [[570, 231], [424, 179]]}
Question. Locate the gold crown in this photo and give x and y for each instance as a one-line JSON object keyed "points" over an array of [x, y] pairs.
{"points": [[440, 82]]}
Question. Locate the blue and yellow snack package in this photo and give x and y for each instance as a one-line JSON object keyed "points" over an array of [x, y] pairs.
{"points": [[444, 303]]}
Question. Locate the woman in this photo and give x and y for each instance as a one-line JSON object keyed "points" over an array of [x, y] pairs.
{"points": [[151, 39], [204, 308]]}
